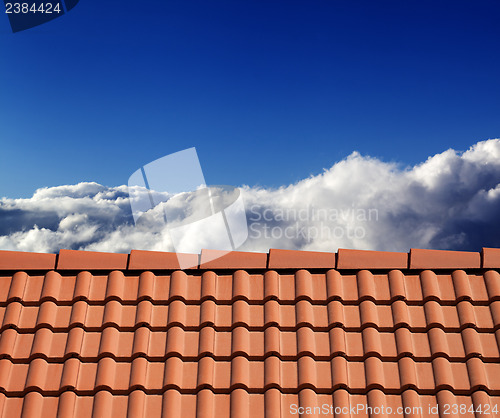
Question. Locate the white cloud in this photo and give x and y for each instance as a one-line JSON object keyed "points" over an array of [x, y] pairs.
{"points": [[452, 201]]}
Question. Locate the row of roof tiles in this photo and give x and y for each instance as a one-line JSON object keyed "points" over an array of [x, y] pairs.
{"points": [[257, 376], [276, 259], [254, 288], [418, 318], [90, 346], [240, 403]]}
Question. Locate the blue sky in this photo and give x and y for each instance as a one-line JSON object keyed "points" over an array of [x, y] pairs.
{"points": [[269, 92]]}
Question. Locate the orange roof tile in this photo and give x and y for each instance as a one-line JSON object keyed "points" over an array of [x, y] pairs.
{"points": [[249, 334], [13, 260]]}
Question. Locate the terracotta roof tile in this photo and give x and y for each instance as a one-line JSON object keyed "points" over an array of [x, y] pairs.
{"points": [[13, 260], [241, 336], [437, 259], [356, 259], [88, 260], [491, 258], [213, 259], [156, 260], [300, 259]]}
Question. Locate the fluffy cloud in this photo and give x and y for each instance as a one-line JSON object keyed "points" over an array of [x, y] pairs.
{"points": [[450, 201]]}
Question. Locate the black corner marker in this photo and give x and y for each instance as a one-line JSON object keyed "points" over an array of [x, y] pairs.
{"points": [[30, 13]]}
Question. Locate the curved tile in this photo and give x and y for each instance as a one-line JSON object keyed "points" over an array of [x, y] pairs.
{"points": [[74, 342], [37, 374], [109, 342], [397, 285], [241, 285], [307, 373], [47, 315], [495, 313], [141, 342], [240, 373], [400, 314], [272, 373], [443, 374], [205, 377], [240, 313], [208, 285], [205, 404], [306, 340], [477, 374], [434, 314], [407, 373], [8, 339], [366, 285], [404, 342], [12, 315], [272, 340], [144, 312], [461, 285], [112, 313], [51, 286], [430, 286], [115, 286], [376, 403], [240, 403], [466, 314], [240, 341], [337, 341], [136, 406], [177, 313], [271, 285], [372, 345], [339, 372], [369, 314], [207, 339], [82, 285], [175, 341], [69, 377], [17, 286], [304, 314], [492, 280], [375, 374], [42, 343], [78, 313], [334, 285], [139, 373], [178, 285], [438, 342], [146, 285], [105, 374], [32, 405], [303, 285]]}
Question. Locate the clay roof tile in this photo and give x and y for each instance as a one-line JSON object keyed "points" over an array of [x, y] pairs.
{"points": [[246, 334]]}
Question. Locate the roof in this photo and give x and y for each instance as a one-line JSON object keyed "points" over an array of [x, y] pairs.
{"points": [[88, 334]]}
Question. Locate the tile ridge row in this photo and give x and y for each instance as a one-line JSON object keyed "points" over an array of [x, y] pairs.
{"points": [[251, 358], [225, 287], [256, 391], [250, 302], [344, 259], [250, 328]]}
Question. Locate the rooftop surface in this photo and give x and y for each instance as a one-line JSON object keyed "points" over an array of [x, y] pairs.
{"points": [[249, 334]]}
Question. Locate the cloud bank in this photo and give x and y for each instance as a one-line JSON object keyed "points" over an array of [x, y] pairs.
{"points": [[450, 201]]}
